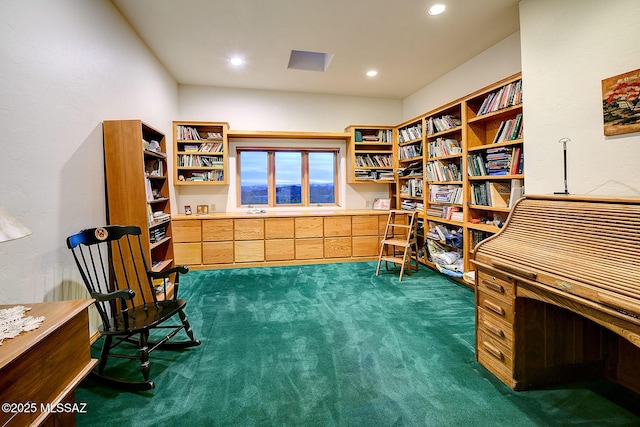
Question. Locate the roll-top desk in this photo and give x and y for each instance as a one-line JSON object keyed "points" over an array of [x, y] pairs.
{"points": [[558, 292]]}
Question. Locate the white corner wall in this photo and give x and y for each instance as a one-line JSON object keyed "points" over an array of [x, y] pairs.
{"points": [[65, 66], [568, 48], [248, 109], [499, 61]]}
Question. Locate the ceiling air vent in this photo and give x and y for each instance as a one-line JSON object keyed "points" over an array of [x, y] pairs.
{"points": [[312, 61]]}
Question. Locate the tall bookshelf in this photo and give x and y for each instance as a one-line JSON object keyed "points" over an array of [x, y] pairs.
{"points": [[137, 185], [370, 153], [200, 153], [495, 158], [469, 155], [444, 167]]}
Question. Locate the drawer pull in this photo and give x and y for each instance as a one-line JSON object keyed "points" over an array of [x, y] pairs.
{"points": [[493, 329], [493, 351], [493, 286], [494, 307]]}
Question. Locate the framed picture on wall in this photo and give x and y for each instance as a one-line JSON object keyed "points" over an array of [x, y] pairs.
{"points": [[621, 103], [381, 204]]}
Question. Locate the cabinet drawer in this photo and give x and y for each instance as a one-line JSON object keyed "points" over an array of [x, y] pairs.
{"points": [[309, 249], [217, 252], [365, 225], [496, 327], [497, 285], [248, 229], [279, 250], [366, 246], [217, 230], [187, 253], [496, 307], [248, 251], [337, 247], [279, 228], [495, 357], [309, 227], [187, 231], [337, 226]]}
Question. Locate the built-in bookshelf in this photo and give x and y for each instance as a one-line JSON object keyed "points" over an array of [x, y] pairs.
{"points": [[370, 151], [200, 153], [494, 156], [410, 166], [469, 157]]}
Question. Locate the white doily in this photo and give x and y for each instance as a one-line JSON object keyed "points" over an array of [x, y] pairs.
{"points": [[13, 322]]}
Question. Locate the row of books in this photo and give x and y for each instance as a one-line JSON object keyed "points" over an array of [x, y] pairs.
{"points": [[509, 130], [506, 96], [496, 161], [496, 193], [374, 160], [156, 234], [443, 147], [190, 133], [382, 135], [442, 171], [441, 124], [409, 151], [411, 205], [412, 187], [409, 133], [453, 213], [206, 147], [191, 160], [373, 175], [449, 194], [213, 175]]}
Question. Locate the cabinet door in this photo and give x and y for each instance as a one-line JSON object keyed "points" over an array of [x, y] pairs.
{"points": [[187, 231], [309, 227], [217, 230], [248, 250], [279, 249], [309, 248], [337, 226], [279, 228], [248, 229], [365, 225], [366, 246], [217, 252], [187, 253], [337, 247]]}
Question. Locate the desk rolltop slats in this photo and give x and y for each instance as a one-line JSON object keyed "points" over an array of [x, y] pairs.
{"points": [[583, 246]]}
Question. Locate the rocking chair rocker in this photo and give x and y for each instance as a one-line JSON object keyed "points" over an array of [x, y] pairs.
{"points": [[114, 269]]}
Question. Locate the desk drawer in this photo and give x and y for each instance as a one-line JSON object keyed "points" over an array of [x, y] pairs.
{"points": [[497, 285], [495, 306], [494, 353], [496, 327]]}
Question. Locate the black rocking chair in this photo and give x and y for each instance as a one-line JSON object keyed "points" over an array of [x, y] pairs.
{"points": [[115, 271]]}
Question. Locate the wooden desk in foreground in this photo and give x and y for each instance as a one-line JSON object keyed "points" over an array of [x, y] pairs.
{"points": [[40, 369]]}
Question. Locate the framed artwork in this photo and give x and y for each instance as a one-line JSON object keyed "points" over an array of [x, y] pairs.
{"points": [[621, 103], [381, 204]]}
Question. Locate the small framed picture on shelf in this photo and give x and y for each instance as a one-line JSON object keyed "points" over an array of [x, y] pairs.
{"points": [[381, 204], [187, 210]]}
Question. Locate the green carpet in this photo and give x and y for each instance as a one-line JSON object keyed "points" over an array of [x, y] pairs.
{"points": [[334, 345]]}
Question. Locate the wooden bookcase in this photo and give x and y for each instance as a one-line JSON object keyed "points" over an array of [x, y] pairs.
{"points": [[200, 153], [137, 185], [370, 154], [486, 127]]}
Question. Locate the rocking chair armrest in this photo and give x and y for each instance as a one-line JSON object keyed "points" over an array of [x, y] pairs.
{"points": [[182, 269], [124, 294]]}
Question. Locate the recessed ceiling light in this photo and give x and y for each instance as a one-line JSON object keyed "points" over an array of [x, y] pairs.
{"points": [[436, 9], [372, 73], [236, 60]]}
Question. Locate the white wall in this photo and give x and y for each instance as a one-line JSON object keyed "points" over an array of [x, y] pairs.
{"points": [[248, 109], [65, 66], [568, 48], [499, 61]]}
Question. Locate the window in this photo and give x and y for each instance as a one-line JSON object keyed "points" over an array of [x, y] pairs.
{"points": [[287, 177]]}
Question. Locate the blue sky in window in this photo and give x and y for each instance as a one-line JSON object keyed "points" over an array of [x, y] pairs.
{"points": [[254, 168]]}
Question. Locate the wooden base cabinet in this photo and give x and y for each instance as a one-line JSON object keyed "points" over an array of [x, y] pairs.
{"points": [[225, 240]]}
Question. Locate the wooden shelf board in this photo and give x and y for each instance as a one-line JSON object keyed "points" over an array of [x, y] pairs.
{"points": [[497, 144], [288, 135]]}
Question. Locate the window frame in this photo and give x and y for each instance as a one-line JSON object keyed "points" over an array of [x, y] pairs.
{"points": [[271, 185]]}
